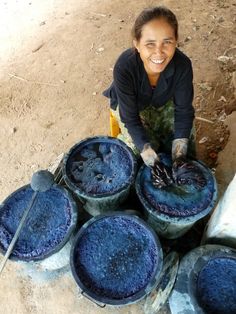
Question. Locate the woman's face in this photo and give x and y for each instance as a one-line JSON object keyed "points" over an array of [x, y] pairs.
{"points": [[156, 46]]}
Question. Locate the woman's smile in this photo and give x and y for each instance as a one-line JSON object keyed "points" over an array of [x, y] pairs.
{"points": [[157, 61]]}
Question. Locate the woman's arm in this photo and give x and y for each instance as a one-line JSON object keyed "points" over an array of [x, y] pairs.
{"points": [[183, 98], [127, 102]]}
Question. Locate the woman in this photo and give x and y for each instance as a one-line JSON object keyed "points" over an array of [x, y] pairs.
{"points": [[152, 92]]}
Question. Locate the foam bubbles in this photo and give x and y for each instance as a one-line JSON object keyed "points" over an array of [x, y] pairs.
{"points": [[100, 168], [216, 286], [116, 257], [46, 225]]}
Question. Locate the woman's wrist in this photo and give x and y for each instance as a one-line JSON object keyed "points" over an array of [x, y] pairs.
{"points": [[145, 147], [148, 155], [179, 148]]}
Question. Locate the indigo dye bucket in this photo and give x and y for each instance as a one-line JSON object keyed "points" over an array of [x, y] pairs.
{"points": [[206, 282], [48, 227], [116, 259], [173, 210], [100, 171]]}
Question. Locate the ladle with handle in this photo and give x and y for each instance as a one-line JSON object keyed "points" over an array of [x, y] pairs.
{"points": [[41, 181]]}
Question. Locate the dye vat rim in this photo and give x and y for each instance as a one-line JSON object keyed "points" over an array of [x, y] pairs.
{"points": [[184, 293], [178, 219], [59, 246], [158, 297], [96, 139], [135, 297]]}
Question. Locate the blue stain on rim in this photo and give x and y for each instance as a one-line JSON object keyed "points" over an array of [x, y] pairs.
{"points": [[99, 166], [116, 259], [48, 226], [216, 286], [176, 203]]}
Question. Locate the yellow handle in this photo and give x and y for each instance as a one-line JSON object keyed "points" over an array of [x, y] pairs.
{"points": [[114, 125]]}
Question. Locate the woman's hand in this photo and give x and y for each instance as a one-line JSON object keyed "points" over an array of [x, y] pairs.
{"points": [[149, 155]]}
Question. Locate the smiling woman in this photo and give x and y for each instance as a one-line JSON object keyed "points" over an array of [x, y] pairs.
{"points": [[156, 47], [152, 92]]}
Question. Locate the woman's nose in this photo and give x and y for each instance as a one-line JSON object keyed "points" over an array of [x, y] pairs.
{"points": [[158, 48]]}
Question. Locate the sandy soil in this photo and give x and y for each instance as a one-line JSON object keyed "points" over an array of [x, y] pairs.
{"points": [[56, 58]]}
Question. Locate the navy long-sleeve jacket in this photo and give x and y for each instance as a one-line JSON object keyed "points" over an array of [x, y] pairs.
{"points": [[132, 91]]}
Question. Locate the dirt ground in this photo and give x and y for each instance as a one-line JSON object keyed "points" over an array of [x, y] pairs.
{"points": [[56, 58]]}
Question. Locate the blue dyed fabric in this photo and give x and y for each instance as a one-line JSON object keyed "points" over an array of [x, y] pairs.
{"points": [[46, 225], [100, 168], [177, 200], [116, 257], [216, 286]]}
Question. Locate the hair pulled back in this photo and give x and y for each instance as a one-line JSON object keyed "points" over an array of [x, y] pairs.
{"points": [[150, 14]]}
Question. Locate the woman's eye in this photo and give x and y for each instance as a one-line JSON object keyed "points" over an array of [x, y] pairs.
{"points": [[150, 45], [168, 42]]}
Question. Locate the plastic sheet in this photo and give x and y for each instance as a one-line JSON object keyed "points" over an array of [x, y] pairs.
{"points": [[222, 224]]}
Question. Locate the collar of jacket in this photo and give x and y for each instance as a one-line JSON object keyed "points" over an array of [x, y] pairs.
{"points": [[162, 82]]}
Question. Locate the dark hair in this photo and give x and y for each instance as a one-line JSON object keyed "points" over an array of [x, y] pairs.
{"points": [[150, 14]]}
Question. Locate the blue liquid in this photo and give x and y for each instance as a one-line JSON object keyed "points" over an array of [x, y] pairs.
{"points": [[216, 286], [45, 227], [174, 200], [100, 168], [116, 257]]}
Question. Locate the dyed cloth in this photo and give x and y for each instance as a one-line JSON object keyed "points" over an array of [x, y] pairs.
{"points": [[161, 175], [132, 91], [186, 172]]}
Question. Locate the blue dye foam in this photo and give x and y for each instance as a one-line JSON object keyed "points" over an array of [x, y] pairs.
{"points": [[99, 168], [116, 257], [177, 200], [216, 286], [46, 225]]}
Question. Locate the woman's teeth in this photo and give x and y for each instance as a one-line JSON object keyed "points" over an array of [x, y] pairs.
{"points": [[157, 61]]}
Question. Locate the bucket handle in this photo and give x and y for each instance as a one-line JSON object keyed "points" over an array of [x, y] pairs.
{"points": [[84, 294]]}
